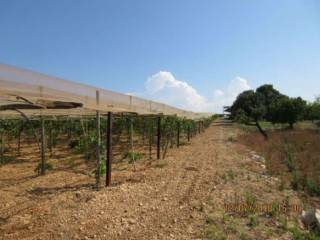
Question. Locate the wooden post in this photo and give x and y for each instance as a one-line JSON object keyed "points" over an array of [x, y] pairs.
{"points": [[131, 139], [188, 133], [178, 133], [159, 137], [109, 149], [2, 146], [50, 139], [42, 151], [98, 171], [150, 127], [199, 127], [19, 138]]}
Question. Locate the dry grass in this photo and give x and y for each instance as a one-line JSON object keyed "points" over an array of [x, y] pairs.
{"points": [[294, 155]]}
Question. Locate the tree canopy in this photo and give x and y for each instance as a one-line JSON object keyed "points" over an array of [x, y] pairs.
{"points": [[268, 104]]}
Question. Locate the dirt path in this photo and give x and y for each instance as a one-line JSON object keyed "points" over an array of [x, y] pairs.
{"points": [[181, 197]]}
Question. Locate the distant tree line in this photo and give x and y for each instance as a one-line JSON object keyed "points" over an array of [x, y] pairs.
{"points": [[268, 104]]}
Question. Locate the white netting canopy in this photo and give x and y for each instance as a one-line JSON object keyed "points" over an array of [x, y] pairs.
{"points": [[36, 94]]}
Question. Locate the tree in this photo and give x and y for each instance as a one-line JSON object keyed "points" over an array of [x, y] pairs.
{"points": [[267, 103], [268, 95], [314, 110], [288, 110], [250, 106]]}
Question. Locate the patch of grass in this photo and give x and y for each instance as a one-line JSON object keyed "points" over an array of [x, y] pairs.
{"points": [[297, 234], [213, 233], [253, 221], [312, 188], [250, 201], [289, 155], [275, 209], [132, 157], [231, 174]]}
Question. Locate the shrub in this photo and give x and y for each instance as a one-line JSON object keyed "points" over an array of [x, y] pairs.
{"points": [[312, 188], [132, 157], [103, 169]]}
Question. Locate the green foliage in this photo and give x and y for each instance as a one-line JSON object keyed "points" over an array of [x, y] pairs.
{"points": [[297, 234], [212, 232], [312, 188], [288, 110], [103, 169], [268, 104], [250, 201], [241, 117], [313, 110], [132, 157], [255, 105], [253, 221], [247, 105], [87, 145], [289, 156]]}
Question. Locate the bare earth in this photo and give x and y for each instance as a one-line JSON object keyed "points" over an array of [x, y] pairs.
{"points": [[175, 198]]}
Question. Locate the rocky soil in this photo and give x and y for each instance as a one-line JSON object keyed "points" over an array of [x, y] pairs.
{"points": [[181, 197]]}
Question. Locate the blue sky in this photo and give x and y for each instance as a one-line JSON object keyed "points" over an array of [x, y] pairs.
{"points": [[201, 51]]}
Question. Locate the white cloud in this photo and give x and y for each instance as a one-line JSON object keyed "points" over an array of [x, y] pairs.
{"points": [[164, 87]]}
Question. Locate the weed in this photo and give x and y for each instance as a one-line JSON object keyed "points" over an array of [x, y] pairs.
{"points": [[132, 157], [312, 188], [297, 234], [289, 155], [275, 208], [231, 174], [250, 200], [103, 169], [253, 221], [212, 232]]}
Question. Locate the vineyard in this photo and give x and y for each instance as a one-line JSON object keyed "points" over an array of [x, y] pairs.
{"points": [[58, 136], [132, 137], [91, 121]]}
